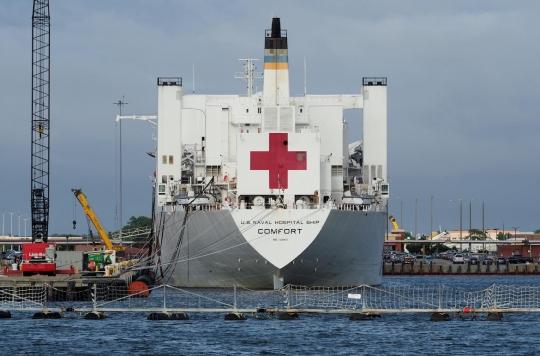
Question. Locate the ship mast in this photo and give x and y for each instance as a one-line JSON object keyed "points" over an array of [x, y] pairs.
{"points": [[249, 74]]}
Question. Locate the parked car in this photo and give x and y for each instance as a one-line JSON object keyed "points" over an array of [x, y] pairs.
{"points": [[501, 260], [519, 259], [458, 258], [474, 260], [488, 261], [408, 259]]}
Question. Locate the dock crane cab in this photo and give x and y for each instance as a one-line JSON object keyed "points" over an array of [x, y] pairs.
{"points": [[96, 261]]}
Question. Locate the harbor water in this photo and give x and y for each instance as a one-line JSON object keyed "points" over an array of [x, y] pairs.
{"points": [[410, 334]]}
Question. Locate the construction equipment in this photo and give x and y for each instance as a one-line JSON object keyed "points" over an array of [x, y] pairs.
{"points": [[38, 256], [89, 212], [395, 226], [40, 120]]}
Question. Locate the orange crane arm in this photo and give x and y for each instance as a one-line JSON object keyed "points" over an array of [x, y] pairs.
{"points": [[81, 197]]}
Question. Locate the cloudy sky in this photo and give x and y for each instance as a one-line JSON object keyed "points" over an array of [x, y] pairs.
{"points": [[463, 76]]}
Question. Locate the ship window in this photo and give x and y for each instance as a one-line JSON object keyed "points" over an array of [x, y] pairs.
{"points": [[337, 171], [162, 189], [259, 110], [301, 110], [163, 179], [171, 178], [171, 159], [247, 111], [164, 159]]}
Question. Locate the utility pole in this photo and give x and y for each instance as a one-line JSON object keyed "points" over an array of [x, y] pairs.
{"points": [[415, 218], [25, 224], [120, 103], [3, 221], [461, 224], [470, 215], [483, 216], [401, 212], [431, 216], [11, 223]]}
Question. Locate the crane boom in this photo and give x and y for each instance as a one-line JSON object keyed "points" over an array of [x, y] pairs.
{"points": [[41, 58], [81, 197]]}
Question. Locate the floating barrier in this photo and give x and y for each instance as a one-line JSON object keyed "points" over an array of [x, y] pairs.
{"points": [[291, 302], [235, 316], [47, 314], [95, 315]]}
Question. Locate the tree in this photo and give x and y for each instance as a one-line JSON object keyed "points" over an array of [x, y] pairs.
{"points": [[537, 231], [138, 222], [503, 236]]}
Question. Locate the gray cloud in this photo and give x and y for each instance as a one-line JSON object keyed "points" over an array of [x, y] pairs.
{"points": [[463, 92]]}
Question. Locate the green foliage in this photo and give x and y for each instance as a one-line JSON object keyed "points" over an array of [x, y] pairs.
{"points": [[429, 249], [503, 236], [537, 231], [138, 222]]}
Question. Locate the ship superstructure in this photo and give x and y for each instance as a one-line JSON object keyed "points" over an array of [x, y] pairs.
{"points": [[262, 190]]}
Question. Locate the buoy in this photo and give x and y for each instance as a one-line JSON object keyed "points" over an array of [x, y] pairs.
{"points": [[95, 315], [179, 316], [467, 310], [5, 314], [438, 316], [138, 289], [159, 316], [235, 316], [494, 316], [364, 316], [288, 316], [47, 314]]}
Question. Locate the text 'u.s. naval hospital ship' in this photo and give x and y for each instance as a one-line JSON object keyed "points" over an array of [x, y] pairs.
{"points": [[263, 190]]}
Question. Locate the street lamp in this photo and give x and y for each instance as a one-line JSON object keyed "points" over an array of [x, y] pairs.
{"points": [[460, 222], [25, 220], [416, 218], [11, 223]]}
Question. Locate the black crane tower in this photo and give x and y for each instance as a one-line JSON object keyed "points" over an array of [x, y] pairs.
{"points": [[41, 37]]}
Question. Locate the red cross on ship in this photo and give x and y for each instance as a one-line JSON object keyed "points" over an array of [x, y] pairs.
{"points": [[278, 160]]}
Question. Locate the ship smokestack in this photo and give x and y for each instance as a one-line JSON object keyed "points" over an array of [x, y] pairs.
{"points": [[276, 28], [276, 65]]}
